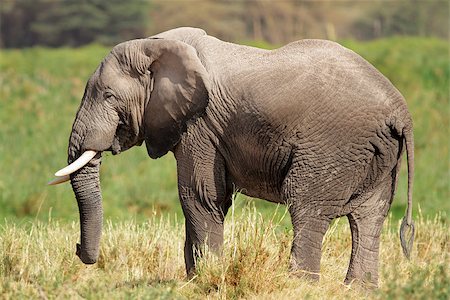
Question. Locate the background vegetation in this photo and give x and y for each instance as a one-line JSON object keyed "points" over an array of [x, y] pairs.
{"points": [[40, 91], [55, 23]]}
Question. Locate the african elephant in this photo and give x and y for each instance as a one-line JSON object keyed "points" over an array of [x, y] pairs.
{"points": [[311, 125]]}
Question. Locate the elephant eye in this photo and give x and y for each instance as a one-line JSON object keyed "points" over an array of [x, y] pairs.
{"points": [[108, 95]]}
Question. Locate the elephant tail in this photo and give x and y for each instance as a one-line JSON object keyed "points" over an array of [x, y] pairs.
{"points": [[407, 226]]}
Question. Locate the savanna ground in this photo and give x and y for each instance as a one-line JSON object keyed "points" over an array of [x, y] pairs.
{"points": [[142, 245]]}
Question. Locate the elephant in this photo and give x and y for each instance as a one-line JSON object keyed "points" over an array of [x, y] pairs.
{"points": [[311, 125]]}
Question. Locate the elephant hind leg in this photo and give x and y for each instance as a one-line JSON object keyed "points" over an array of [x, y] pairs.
{"points": [[366, 222]]}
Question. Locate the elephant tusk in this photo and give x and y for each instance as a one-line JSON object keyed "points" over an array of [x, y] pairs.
{"points": [[59, 179], [78, 164]]}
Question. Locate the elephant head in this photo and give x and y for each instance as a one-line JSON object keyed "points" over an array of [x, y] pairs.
{"points": [[144, 90]]}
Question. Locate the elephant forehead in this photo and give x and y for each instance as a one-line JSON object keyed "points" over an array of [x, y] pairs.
{"points": [[123, 86], [110, 76]]}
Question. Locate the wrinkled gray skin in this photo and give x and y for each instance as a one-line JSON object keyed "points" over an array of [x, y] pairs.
{"points": [[311, 125]]}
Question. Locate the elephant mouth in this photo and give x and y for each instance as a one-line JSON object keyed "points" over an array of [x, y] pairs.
{"points": [[129, 137], [115, 148], [120, 146]]}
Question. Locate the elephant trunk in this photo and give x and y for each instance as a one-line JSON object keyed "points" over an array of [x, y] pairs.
{"points": [[86, 186]]}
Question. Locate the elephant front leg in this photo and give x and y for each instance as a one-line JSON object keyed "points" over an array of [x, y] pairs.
{"points": [[204, 194], [204, 229], [306, 249]]}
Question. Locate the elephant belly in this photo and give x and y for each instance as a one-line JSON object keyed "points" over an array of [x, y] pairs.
{"points": [[258, 170]]}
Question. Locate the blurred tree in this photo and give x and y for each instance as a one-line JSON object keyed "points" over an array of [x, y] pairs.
{"points": [[219, 18], [284, 21], [272, 21], [15, 18], [410, 17], [71, 23]]}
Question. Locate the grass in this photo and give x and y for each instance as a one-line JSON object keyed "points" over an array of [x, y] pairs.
{"points": [[145, 260]]}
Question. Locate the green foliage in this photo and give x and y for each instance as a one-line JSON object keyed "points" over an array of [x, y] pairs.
{"points": [[41, 91]]}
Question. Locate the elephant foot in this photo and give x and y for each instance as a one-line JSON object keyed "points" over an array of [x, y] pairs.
{"points": [[366, 281], [303, 273], [307, 276]]}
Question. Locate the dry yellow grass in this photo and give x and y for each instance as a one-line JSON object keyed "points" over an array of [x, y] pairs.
{"points": [[37, 260]]}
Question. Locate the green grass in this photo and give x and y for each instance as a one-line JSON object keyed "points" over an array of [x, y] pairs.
{"points": [[41, 91]]}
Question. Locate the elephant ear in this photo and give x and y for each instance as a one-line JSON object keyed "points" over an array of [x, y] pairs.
{"points": [[180, 93]]}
